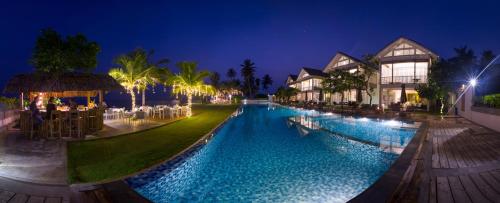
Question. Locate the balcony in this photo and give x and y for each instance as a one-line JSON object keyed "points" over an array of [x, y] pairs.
{"points": [[404, 79], [307, 88]]}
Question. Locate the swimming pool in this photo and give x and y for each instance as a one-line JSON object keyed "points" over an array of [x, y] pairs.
{"points": [[271, 153]]}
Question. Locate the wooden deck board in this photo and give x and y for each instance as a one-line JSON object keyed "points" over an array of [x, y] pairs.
{"points": [[432, 190], [53, 200], [485, 189], [19, 198], [36, 199], [449, 153], [491, 181], [457, 190], [472, 190], [435, 153], [443, 190], [443, 159]]}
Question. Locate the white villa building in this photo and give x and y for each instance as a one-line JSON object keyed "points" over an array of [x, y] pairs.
{"points": [[345, 62], [309, 83], [403, 62]]}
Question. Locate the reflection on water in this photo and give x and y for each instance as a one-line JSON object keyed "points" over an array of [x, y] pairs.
{"points": [[389, 135]]}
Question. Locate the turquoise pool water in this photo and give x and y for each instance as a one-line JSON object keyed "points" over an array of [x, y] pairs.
{"points": [[276, 154]]}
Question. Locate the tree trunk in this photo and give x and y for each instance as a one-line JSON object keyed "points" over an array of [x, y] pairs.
{"points": [[370, 96], [189, 100], [342, 102], [132, 95], [144, 97]]}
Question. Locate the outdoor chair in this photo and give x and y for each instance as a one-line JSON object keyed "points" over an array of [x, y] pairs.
{"points": [[55, 124], [92, 120], [75, 123], [140, 116], [109, 114]]}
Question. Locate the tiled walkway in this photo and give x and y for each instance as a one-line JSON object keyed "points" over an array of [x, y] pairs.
{"points": [[461, 163]]}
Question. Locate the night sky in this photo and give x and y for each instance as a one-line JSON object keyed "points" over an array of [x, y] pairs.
{"points": [[279, 36]]}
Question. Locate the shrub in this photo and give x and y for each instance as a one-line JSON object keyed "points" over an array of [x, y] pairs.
{"points": [[492, 100], [8, 103]]}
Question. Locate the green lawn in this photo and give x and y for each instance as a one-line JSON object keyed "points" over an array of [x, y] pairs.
{"points": [[90, 161]]}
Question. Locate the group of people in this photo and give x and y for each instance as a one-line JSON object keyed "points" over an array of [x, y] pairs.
{"points": [[50, 107]]}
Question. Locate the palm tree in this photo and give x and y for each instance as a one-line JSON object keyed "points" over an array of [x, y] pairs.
{"points": [[247, 72], [266, 82], [215, 79], [134, 72], [189, 82], [231, 73]]}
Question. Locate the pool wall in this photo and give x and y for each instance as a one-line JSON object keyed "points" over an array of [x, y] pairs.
{"points": [[396, 180], [384, 189]]}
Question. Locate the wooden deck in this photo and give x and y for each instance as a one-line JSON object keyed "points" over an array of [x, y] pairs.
{"points": [[461, 163]]}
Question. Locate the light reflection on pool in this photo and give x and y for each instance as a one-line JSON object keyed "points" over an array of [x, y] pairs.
{"points": [[278, 154]]}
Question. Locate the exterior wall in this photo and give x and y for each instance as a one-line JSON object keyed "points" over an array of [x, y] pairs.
{"points": [[483, 116], [7, 117]]}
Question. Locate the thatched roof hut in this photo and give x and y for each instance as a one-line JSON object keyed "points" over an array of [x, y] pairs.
{"points": [[62, 85]]}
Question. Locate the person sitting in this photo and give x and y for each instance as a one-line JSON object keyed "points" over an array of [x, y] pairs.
{"points": [[35, 112], [73, 105], [50, 107]]}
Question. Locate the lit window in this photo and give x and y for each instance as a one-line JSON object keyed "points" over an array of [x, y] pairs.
{"points": [[386, 70]]}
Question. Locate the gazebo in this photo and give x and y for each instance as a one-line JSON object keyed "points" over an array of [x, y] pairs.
{"points": [[62, 85], [64, 121]]}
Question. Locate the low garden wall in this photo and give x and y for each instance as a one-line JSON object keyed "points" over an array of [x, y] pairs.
{"points": [[485, 116], [7, 117]]}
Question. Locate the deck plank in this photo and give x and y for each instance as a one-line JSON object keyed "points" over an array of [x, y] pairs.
{"points": [[457, 190], [6, 195], [19, 198], [35, 199], [449, 154], [432, 192], [53, 200], [485, 189], [443, 159], [472, 190], [491, 181], [443, 190], [435, 153]]}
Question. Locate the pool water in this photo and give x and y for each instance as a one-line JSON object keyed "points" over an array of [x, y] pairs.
{"points": [[277, 154]]}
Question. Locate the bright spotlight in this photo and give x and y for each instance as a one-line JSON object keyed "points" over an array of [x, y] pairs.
{"points": [[473, 82]]}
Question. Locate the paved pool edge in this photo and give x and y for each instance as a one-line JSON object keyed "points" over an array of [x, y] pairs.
{"points": [[397, 176]]}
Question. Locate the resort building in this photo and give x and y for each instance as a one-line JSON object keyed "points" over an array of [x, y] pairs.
{"points": [[403, 62], [308, 82], [345, 62]]}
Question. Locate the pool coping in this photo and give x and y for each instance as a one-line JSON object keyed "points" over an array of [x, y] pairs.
{"points": [[122, 180], [385, 189], [398, 176]]}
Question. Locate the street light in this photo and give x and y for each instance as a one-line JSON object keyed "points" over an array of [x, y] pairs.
{"points": [[473, 82]]}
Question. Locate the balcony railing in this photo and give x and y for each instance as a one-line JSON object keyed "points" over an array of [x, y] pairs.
{"points": [[404, 79], [307, 88]]}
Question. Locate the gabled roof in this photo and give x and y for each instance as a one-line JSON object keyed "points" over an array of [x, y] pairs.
{"points": [[336, 59], [291, 78], [314, 72], [401, 40]]}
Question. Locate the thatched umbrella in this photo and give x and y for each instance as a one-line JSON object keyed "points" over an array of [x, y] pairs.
{"points": [[63, 84], [403, 98]]}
